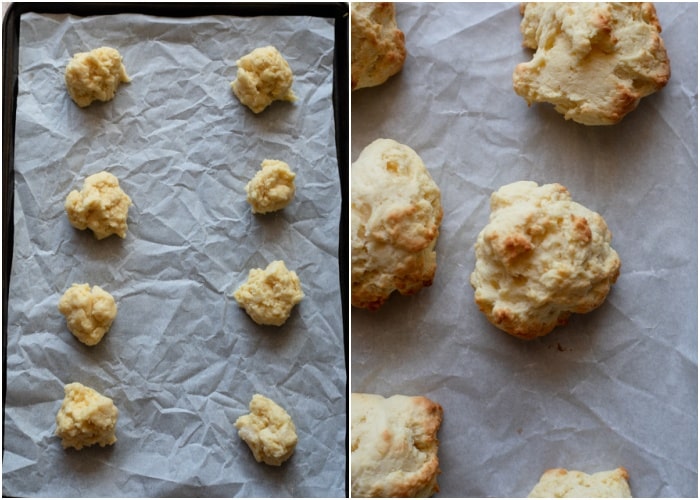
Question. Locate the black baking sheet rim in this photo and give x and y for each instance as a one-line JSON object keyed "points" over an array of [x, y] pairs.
{"points": [[10, 40]]}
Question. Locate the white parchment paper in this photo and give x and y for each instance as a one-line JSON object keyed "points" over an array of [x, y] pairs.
{"points": [[182, 360], [616, 387]]}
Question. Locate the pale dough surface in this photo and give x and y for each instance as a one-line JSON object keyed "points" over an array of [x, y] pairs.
{"points": [[269, 294], [95, 75], [268, 430], [86, 418], [272, 188], [89, 312], [101, 206], [263, 76]]}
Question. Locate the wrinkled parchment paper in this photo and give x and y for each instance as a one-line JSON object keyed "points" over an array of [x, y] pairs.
{"points": [[616, 387], [182, 360]]}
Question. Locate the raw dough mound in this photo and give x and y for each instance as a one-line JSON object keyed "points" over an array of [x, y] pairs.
{"points": [[268, 430], [396, 215], [378, 48], [263, 76], [95, 75], [101, 206], [394, 446], [540, 258], [89, 313], [269, 294], [86, 418], [272, 188], [593, 61], [562, 483]]}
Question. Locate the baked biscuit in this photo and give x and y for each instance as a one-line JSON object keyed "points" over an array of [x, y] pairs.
{"points": [[593, 61], [377, 45], [540, 258], [269, 294], [394, 446], [396, 215], [101, 206], [95, 75], [263, 76], [85, 418], [562, 483]]}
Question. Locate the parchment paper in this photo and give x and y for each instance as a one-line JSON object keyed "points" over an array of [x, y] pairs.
{"points": [[615, 387], [182, 360]]}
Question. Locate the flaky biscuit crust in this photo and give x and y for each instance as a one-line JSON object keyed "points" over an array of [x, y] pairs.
{"points": [[378, 48], [394, 446], [540, 258], [593, 61], [395, 220], [562, 483]]}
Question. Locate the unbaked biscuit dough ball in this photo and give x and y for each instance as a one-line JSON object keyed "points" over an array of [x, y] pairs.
{"points": [[268, 431], [86, 418], [272, 188], [89, 312], [540, 258], [269, 294], [101, 206], [263, 76], [95, 75]]}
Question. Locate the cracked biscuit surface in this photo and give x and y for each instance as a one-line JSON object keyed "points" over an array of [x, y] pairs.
{"points": [[593, 61], [378, 48], [394, 446], [395, 220], [540, 258], [562, 483]]}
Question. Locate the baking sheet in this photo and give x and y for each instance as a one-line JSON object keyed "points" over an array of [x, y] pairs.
{"points": [[615, 387], [182, 360]]}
